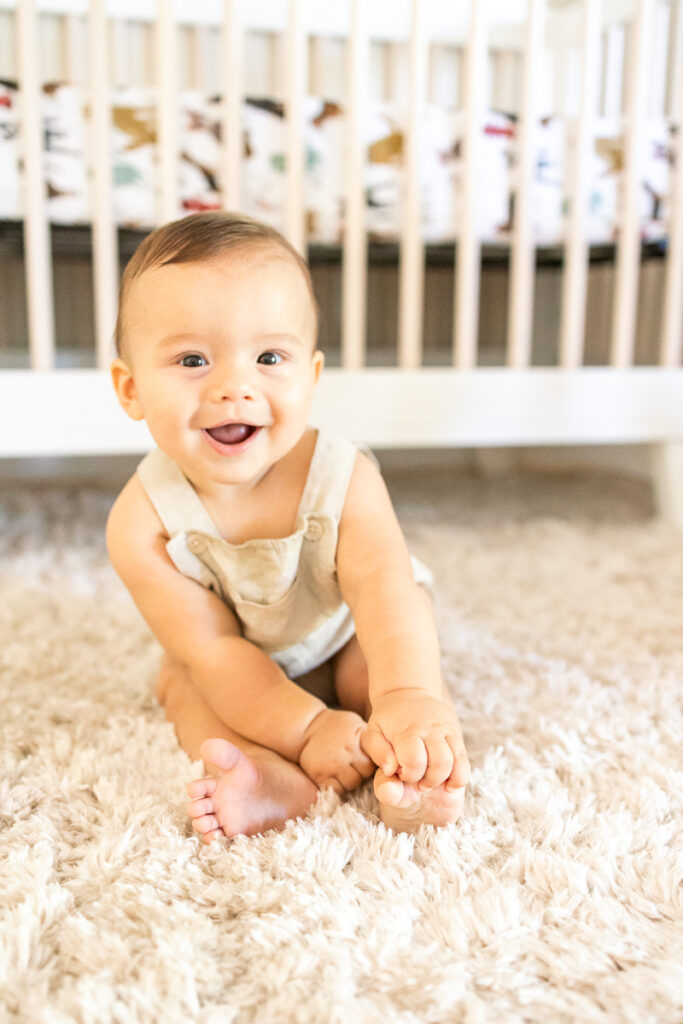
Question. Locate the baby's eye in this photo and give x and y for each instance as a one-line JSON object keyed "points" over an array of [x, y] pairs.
{"points": [[193, 360], [269, 358]]}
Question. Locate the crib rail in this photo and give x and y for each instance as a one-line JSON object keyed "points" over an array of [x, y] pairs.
{"points": [[71, 412], [610, 46]]}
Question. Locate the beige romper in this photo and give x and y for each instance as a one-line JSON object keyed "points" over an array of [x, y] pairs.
{"points": [[284, 591]]}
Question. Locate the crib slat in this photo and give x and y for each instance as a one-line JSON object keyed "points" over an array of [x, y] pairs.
{"points": [[296, 75], [411, 283], [628, 250], [354, 270], [233, 41], [523, 254], [105, 256], [36, 228], [672, 330], [468, 249], [167, 107], [574, 281]]}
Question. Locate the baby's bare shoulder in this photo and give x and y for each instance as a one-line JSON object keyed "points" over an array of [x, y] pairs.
{"points": [[367, 490], [132, 521]]}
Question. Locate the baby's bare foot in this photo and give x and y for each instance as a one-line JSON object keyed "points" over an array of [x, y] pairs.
{"points": [[404, 806], [244, 794]]}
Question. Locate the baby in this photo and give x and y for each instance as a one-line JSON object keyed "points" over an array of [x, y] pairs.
{"points": [[300, 647]]}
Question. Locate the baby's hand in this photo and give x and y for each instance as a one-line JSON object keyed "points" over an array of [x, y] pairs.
{"points": [[417, 738], [332, 754]]}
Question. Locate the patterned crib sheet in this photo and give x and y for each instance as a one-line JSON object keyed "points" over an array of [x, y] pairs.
{"points": [[68, 175]]}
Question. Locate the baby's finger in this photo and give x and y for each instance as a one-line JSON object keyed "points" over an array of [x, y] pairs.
{"points": [[440, 762], [332, 783], [363, 764], [349, 778], [460, 772], [375, 744], [412, 758], [388, 791]]}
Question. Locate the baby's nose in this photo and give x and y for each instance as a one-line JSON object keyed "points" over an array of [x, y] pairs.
{"points": [[232, 386]]}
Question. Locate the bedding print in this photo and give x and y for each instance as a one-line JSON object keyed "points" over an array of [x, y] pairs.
{"points": [[64, 166], [133, 155], [68, 163], [10, 202]]}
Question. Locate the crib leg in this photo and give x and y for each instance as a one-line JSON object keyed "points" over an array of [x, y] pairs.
{"points": [[667, 467]]}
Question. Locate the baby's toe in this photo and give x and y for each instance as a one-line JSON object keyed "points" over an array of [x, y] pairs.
{"points": [[201, 787], [198, 808], [205, 824], [216, 833]]}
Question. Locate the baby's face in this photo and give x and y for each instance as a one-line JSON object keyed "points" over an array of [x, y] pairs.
{"points": [[223, 362]]}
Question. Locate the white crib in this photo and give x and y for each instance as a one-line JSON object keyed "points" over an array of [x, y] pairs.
{"points": [[573, 58]]}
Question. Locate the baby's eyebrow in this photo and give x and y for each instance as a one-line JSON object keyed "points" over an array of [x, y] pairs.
{"points": [[263, 339], [173, 339], [282, 337], [176, 339]]}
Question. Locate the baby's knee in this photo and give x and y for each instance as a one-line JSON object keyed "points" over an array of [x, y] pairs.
{"points": [[173, 679]]}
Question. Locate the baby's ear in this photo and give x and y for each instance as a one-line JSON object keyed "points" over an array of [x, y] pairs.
{"points": [[318, 363], [126, 392]]}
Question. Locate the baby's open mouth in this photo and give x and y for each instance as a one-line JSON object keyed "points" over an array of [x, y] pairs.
{"points": [[232, 433]]}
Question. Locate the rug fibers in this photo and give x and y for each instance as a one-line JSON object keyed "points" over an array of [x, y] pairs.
{"points": [[557, 898]]}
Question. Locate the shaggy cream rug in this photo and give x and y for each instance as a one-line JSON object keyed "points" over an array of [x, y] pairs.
{"points": [[557, 899]]}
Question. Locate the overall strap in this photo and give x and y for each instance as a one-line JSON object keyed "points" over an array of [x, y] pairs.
{"points": [[329, 475], [176, 502]]}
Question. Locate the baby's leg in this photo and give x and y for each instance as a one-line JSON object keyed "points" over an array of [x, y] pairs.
{"points": [[249, 788], [405, 810]]}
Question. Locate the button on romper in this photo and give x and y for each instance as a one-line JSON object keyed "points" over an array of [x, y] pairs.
{"points": [[284, 590]]}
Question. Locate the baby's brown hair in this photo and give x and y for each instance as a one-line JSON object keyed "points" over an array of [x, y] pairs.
{"points": [[198, 238]]}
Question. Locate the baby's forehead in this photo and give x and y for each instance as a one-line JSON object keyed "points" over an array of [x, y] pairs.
{"points": [[170, 291], [274, 260]]}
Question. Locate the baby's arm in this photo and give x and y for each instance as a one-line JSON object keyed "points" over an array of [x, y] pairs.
{"points": [[413, 730], [245, 687]]}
